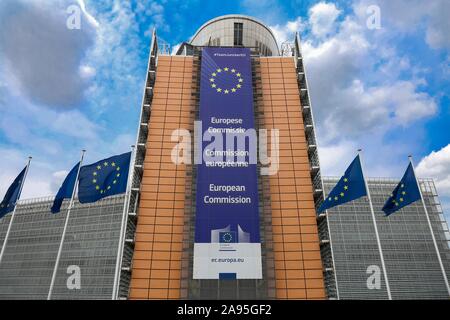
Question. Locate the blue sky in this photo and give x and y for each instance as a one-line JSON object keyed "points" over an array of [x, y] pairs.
{"points": [[384, 90]]}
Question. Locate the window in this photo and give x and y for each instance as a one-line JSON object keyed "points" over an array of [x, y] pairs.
{"points": [[238, 33]]}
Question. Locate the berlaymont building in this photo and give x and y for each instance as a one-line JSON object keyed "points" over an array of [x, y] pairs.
{"points": [[196, 231]]}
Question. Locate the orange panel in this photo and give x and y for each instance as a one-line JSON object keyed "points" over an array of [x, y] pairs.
{"points": [[161, 209], [294, 226]]}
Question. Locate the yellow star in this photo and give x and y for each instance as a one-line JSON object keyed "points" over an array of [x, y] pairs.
{"points": [[345, 179], [213, 85], [94, 180], [238, 74], [233, 70], [214, 74], [219, 70], [118, 175], [94, 173], [109, 187], [403, 192], [114, 181], [225, 69], [402, 185], [219, 90], [336, 198], [118, 168], [211, 80], [238, 85], [401, 199], [113, 164], [226, 91], [240, 80], [329, 199], [345, 187], [97, 187], [342, 194], [396, 204], [105, 164], [233, 89], [99, 167]]}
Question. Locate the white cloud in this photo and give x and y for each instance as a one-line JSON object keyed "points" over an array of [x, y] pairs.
{"points": [[87, 71], [89, 17], [38, 182], [287, 31], [411, 16], [363, 91], [175, 48], [116, 56], [436, 165], [335, 157], [322, 18], [41, 54]]}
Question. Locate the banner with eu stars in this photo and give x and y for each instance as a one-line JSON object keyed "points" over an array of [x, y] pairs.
{"points": [[350, 187], [406, 192], [227, 219], [104, 178]]}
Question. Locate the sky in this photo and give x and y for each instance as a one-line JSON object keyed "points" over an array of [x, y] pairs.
{"points": [[380, 87]]}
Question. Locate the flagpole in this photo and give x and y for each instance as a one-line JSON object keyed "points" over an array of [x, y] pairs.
{"points": [[14, 211], [66, 223], [115, 292], [388, 289], [431, 228]]}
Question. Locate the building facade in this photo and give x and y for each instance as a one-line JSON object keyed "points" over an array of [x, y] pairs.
{"points": [[91, 245], [161, 267], [411, 261], [303, 255], [93, 236]]}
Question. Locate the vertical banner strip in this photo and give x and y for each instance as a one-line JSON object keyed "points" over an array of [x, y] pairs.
{"points": [[227, 240]]}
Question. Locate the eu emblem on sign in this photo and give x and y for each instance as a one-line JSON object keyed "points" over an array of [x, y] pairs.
{"points": [[226, 80], [227, 237]]}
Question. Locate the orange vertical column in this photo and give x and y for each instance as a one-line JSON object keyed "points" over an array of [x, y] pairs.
{"points": [[156, 272], [298, 266]]}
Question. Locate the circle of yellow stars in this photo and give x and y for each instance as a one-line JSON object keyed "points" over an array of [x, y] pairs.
{"points": [[219, 71], [401, 199], [227, 237], [99, 167], [342, 194]]}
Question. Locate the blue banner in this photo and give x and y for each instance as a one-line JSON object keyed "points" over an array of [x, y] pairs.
{"points": [[227, 241]]}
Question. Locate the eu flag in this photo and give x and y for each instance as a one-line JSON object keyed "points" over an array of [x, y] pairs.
{"points": [[66, 189], [227, 237], [406, 192], [350, 187], [104, 178], [12, 195]]}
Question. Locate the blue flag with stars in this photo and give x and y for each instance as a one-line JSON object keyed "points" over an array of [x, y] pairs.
{"points": [[66, 189], [12, 195], [350, 187], [104, 178], [406, 192]]}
